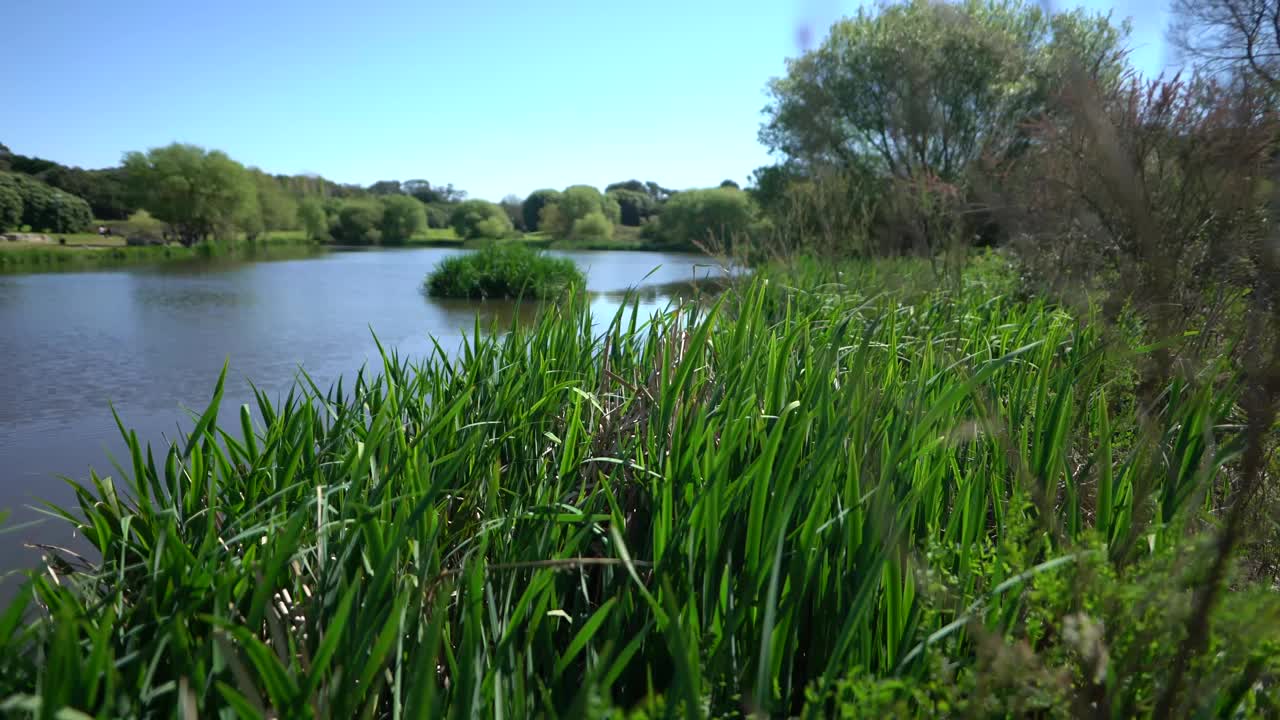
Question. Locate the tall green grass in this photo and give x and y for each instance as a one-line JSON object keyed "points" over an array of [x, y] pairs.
{"points": [[807, 498]]}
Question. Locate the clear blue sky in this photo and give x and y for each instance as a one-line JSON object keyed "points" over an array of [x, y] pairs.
{"points": [[495, 96]]}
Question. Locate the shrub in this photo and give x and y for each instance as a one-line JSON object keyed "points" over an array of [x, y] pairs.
{"points": [[503, 270], [474, 219], [696, 216], [358, 223], [594, 226], [402, 216], [141, 228]]}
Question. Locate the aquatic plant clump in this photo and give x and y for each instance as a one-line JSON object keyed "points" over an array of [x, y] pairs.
{"points": [[503, 270]]}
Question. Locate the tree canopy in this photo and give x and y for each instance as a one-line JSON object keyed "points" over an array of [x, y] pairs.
{"points": [[531, 209], [39, 206], [200, 193], [926, 89], [574, 204], [695, 216], [474, 219], [402, 216]]}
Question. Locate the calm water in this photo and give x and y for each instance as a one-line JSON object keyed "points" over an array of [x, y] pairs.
{"points": [[152, 341]]}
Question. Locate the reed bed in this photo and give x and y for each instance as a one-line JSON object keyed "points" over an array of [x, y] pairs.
{"points": [[814, 495]]}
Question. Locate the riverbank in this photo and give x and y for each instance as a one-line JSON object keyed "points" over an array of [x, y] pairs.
{"points": [[89, 251]]}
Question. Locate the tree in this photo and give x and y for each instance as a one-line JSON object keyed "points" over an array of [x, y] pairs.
{"points": [[313, 218], [1230, 35], [473, 219], [359, 223], [386, 187], [698, 215], [278, 209], [402, 216], [199, 193], [632, 185], [514, 207], [10, 203], [531, 209], [634, 206], [924, 89], [730, 184]]}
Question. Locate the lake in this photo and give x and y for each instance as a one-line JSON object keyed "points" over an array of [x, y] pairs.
{"points": [[151, 341]]}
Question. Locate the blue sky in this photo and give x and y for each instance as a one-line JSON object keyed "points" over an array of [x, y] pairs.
{"points": [[494, 96]]}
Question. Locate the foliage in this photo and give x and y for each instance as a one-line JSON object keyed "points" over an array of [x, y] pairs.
{"points": [[431, 194], [473, 219], [200, 193], [402, 217], [386, 187], [574, 204], [279, 210], [438, 215], [1231, 36], [10, 203], [1154, 193], [503, 270], [695, 216], [513, 206], [823, 493], [314, 220], [43, 208], [655, 191], [635, 207], [359, 222], [531, 209], [142, 226], [930, 88], [595, 226]]}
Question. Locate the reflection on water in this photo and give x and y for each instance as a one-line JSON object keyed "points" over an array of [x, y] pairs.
{"points": [[151, 341]]}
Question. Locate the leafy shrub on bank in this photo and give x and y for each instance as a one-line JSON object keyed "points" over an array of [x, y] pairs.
{"points": [[503, 270], [474, 219]]}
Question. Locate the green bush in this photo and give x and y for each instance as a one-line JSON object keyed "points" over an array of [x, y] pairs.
{"points": [[141, 228], [46, 209], [503, 270], [696, 216], [475, 219], [358, 223], [402, 216], [595, 226]]}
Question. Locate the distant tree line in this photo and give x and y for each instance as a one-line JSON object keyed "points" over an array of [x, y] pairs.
{"points": [[189, 194]]}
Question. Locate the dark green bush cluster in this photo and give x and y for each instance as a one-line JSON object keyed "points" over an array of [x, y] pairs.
{"points": [[27, 201], [503, 270]]}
